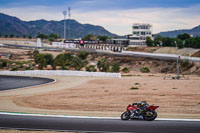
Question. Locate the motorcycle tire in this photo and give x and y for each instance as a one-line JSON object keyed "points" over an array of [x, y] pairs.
{"points": [[151, 118], [125, 116]]}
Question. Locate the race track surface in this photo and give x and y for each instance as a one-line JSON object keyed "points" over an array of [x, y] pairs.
{"points": [[96, 125], [14, 82]]}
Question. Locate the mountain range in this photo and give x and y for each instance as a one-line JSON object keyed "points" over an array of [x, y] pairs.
{"points": [[13, 25], [194, 31]]}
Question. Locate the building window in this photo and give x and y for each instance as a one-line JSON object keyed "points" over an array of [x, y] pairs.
{"points": [[143, 33], [135, 27]]}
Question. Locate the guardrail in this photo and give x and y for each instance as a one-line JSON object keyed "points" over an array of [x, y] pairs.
{"points": [[62, 73], [160, 56]]}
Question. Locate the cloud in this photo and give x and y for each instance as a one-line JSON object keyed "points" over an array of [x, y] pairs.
{"points": [[118, 21]]}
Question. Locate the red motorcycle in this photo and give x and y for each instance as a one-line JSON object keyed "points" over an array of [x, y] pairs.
{"points": [[140, 111]]}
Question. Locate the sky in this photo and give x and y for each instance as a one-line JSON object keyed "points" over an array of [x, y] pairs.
{"points": [[117, 16]]}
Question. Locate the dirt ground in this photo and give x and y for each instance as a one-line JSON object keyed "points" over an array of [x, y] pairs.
{"points": [[176, 98]]}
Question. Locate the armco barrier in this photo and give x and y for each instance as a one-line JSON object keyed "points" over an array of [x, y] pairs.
{"points": [[160, 56], [62, 73]]}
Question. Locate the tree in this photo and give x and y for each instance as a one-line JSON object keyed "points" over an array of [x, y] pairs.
{"points": [[83, 55], [102, 38], [0, 35], [11, 35], [158, 40], [55, 36], [30, 37], [168, 42], [149, 41], [89, 37], [77, 63], [44, 59], [63, 60], [183, 36], [35, 53], [103, 65], [115, 67], [42, 36], [24, 36], [6, 36]]}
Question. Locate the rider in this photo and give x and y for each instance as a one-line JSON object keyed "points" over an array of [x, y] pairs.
{"points": [[142, 105]]}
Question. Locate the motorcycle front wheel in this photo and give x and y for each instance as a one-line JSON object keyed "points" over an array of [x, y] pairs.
{"points": [[152, 115], [125, 116]]}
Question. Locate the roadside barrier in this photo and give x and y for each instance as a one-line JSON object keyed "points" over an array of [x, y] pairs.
{"points": [[160, 56], [62, 73]]}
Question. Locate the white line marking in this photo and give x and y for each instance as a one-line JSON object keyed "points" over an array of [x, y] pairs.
{"points": [[37, 129], [91, 117]]}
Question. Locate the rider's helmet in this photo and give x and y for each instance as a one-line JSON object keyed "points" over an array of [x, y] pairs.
{"points": [[143, 103]]}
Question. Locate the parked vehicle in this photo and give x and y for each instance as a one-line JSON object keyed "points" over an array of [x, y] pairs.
{"points": [[142, 111]]}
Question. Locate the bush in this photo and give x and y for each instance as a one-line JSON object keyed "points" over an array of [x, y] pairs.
{"points": [[145, 70], [14, 69], [3, 63], [115, 67], [91, 68], [28, 68], [83, 55], [64, 60], [103, 65], [134, 88], [44, 59], [125, 70], [186, 64], [35, 53], [77, 63]]}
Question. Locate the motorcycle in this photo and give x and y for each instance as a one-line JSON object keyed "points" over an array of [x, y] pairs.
{"points": [[140, 112]]}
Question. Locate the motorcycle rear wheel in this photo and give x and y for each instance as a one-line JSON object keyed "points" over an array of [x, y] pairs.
{"points": [[125, 116], [152, 117]]}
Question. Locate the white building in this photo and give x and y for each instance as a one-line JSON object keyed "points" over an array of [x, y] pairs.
{"points": [[140, 32]]}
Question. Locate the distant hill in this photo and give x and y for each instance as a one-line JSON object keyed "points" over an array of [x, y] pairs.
{"points": [[13, 25], [194, 31]]}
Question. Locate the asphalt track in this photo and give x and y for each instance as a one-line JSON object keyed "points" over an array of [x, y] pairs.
{"points": [[54, 123], [14, 82]]}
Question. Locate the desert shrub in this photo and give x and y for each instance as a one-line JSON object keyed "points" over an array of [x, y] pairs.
{"points": [[35, 53], [115, 67], [64, 60], [186, 64], [3, 63], [125, 70], [78, 63], [91, 68], [14, 69], [27, 68], [103, 65], [134, 88], [145, 70], [44, 59], [83, 55]]}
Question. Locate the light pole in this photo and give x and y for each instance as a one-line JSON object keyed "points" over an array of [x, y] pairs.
{"points": [[64, 13], [69, 15]]}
